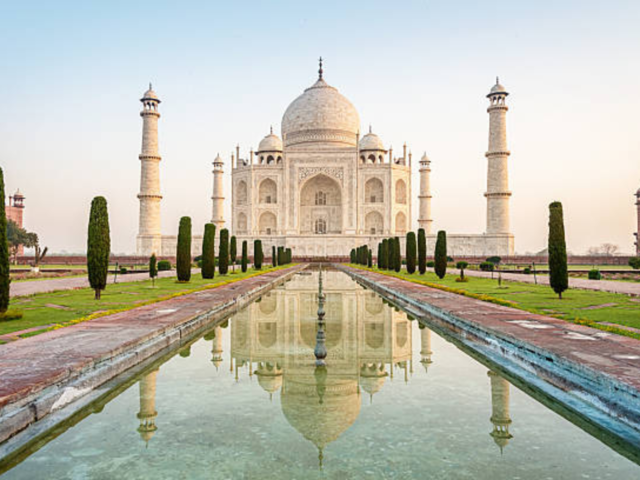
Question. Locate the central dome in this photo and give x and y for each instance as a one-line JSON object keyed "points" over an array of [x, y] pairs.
{"points": [[320, 115]]}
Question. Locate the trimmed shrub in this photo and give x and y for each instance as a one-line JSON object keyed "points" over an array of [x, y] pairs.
{"points": [[487, 266], [441, 254], [495, 260], [208, 251], [461, 266], [594, 274], [5, 267], [123, 270], [245, 256], [153, 269], [258, 255], [164, 265], [370, 259], [223, 252], [558, 271], [422, 251], [352, 256], [431, 264], [526, 270], [274, 257], [634, 263], [382, 259], [183, 255], [98, 245], [233, 252], [411, 252]]}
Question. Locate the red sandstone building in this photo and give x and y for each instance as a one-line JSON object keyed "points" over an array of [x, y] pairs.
{"points": [[15, 211]]}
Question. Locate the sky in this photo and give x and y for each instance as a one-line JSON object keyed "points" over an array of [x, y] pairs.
{"points": [[72, 74]]}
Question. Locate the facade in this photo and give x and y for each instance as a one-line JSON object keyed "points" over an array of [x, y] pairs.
{"points": [[322, 189]]}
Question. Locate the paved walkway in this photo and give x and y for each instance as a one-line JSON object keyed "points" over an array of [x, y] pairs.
{"points": [[628, 288], [30, 287], [55, 359]]}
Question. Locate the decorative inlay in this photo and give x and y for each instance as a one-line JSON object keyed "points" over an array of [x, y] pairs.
{"points": [[335, 172]]}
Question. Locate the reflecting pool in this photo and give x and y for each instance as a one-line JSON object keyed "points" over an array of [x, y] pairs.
{"points": [[396, 400]]}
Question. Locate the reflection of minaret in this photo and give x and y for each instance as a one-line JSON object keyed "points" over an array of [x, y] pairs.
{"points": [[148, 414], [216, 351], [500, 410], [425, 350]]}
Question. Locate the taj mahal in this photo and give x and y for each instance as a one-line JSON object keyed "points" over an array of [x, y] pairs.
{"points": [[321, 188]]}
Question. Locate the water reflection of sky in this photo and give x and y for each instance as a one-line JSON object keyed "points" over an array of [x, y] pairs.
{"points": [[396, 401]]}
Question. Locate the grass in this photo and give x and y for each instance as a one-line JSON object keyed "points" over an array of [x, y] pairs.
{"points": [[63, 308], [576, 305]]}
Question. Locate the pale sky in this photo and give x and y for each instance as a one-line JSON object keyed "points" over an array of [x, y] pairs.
{"points": [[72, 74]]}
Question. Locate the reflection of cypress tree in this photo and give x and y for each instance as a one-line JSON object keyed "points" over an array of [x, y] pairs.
{"points": [[558, 273], [422, 251]]}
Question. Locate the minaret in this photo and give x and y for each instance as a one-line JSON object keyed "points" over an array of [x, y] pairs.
{"points": [[500, 410], [424, 220], [149, 237], [498, 172], [217, 215], [637, 234], [425, 347], [148, 414]]}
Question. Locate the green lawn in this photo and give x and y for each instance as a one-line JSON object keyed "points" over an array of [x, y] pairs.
{"points": [[576, 305], [63, 307]]}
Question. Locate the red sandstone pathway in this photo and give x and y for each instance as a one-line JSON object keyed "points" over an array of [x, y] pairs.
{"points": [[33, 364], [627, 288], [30, 287], [611, 354]]}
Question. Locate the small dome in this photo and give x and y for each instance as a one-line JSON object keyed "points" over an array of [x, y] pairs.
{"points": [[371, 141], [150, 95], [498, 89], [270, 143], [218, 160]]}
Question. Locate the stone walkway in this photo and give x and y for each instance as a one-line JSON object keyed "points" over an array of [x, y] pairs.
{"points": [[608, 363], [30, 287], [37, 372], [627, 288]]}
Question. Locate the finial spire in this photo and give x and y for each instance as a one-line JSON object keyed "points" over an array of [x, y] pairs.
{"points": [[320, 71], [150, 86], [497, 80], [369, 128], [271, 129]]}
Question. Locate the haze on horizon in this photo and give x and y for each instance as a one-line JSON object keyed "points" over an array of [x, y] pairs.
{"points": [[73, 73]]}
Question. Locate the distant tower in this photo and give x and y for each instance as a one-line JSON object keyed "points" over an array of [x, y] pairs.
{"points": [[425, 348], [15, 212], [148, 414], [500, 410], [425, 221], [217, 216], [498, 172], [149, 237], [637, 234]]}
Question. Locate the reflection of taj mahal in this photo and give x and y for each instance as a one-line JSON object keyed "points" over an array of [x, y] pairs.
{"points": [[367, 342], [322, 188]]}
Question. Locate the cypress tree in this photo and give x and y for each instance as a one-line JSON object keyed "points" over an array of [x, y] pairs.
{"points": [[223, 252], [258, 256], [183, 255], [208, 251], [397, 263], [5, 277], [233, 252], [352, 257], [289, 255], [274, 257], [558, 273], [379, 254], [411, 252], [245, 256], [153, 269], [389, 259], [281, 256], [441, 254], [422, 251], [98, 245], [370, 259]]}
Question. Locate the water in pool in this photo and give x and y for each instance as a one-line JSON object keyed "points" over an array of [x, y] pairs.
{"points": [[396, 401]]}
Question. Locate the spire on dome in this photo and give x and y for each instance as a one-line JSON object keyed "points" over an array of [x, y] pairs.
{"points": [[320, 71]]}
